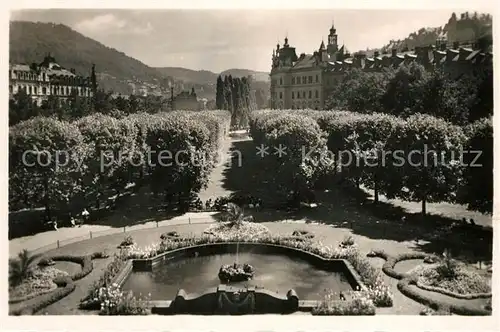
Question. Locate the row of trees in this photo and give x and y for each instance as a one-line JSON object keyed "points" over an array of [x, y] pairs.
{"points": [[22, 107], [421, 158], [413, 89], [235, 95], [64, 166]]}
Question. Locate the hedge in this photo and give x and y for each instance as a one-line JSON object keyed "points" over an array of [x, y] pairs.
{"points": [[123, 145]]}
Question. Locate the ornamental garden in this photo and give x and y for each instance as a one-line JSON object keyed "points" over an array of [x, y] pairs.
{"points": [[298, 214]]}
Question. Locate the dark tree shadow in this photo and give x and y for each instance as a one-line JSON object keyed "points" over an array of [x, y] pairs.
{"points": [[344, 205]]}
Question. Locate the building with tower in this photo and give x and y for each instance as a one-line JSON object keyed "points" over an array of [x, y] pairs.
{"points": [[48, 78], [305, 81]]}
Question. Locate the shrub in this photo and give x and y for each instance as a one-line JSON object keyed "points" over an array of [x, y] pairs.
{"points": [[21, 267], [66, 285], [84, 261], [113, 268], [100, 254], [114, 301], [303, 233], [359, 305], [172, 234], [128, 241], [46, 262], [347, 241]]}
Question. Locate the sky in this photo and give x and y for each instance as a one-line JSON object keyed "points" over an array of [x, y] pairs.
{"points": [[217, 40]]}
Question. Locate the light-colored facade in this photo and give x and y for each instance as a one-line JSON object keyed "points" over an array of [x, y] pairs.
{"points": [[49, 79], [305, 81]]}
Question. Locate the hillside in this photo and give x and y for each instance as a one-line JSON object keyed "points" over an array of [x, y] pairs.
{"points": [[30, 42], [468, 28]]}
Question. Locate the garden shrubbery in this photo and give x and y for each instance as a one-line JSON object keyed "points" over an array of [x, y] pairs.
{"points": [[97, 156], [419, 158]]}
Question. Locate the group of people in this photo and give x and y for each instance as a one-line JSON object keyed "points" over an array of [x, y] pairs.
{"points": [[84, 217]]}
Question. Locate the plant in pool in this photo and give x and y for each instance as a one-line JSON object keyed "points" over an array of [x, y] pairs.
{"points": [[236, 273], [113, 301], [21, 267]]}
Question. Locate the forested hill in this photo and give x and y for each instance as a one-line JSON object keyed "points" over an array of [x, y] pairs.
{"points": [[30, 42], [467, 27]]}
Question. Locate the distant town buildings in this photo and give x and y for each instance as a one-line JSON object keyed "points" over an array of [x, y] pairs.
{"points": [[304, 82], [48, 78]]}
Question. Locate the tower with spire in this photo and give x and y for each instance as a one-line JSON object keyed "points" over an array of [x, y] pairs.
{"points": [[332, 47]]}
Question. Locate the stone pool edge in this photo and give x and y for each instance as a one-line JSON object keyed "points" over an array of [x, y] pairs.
{"points": [[163, 306]]}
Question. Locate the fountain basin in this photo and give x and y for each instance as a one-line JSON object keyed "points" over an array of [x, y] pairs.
{"points": [[277, 268]]}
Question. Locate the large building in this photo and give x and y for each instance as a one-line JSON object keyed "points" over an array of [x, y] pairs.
{"points": [[186, 101], [305, 81], [48, 78]]}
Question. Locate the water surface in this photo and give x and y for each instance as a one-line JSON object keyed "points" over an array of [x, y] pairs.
{"points": [[274, 272]]}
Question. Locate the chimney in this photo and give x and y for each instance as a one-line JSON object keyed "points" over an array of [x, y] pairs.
{"points": [[456, 45], [394, 52]]}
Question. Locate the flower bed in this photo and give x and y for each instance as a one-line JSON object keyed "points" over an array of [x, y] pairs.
{"points": [[40, 282], [404, 286], [65, 285], [91, 301], [465, 285], [114, 301], [237, 229], [377, 291], [361, 304], [412, 278]]}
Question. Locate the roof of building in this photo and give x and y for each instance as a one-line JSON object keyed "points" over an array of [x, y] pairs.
{"points": [[305, 61]]}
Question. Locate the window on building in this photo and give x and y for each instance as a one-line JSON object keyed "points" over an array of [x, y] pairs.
{"points": [[293, 95], [310, 94], [293, 80], [310, 79], [43, 76], [316, 94], [304, 79], [303, 94], [44, 90], [281, 81], [66, 91], [317, 78], [35, 89], [281, 95]]}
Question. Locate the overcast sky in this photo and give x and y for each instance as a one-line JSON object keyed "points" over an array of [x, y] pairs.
{"points": [[221, 39]]}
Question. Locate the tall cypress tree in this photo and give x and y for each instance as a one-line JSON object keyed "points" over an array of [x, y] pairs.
{"points": [[228, 95], [219, 96]]}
